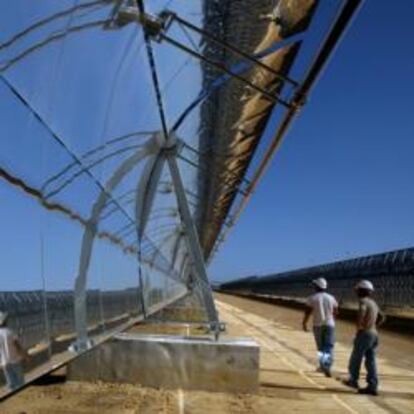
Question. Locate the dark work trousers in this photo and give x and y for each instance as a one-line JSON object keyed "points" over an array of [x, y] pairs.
{"points": [[365, 347], [325, 341]]}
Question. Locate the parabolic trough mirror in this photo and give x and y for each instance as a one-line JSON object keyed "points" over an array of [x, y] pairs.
{"points": [[132, 135]]}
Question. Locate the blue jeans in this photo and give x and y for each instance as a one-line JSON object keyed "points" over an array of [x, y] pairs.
{"points": [[325, 341], [365, 346], [14, 375]]}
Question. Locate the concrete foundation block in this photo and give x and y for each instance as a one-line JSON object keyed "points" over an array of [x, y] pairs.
{"points": [[229, 365]]}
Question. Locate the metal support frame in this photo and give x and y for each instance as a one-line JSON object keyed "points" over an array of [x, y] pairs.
{"points": [[216, 65], [169, 149], [192, 237], [88, 239], [158, 151], [155, 27], [173, 235]]}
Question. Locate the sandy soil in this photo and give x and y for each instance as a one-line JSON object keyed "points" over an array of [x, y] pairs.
{"points": [[288, 381]]}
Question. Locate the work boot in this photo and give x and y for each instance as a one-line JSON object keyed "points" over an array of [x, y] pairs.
{"points": [[327, 372], [350, 383], [368, 391]]}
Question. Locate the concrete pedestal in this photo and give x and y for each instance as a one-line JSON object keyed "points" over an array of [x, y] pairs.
{"points": [[229, 365]]}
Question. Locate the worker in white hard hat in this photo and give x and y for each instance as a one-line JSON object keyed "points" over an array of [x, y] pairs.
{"points": [[12, 355], [324, 309], [366, 340]]}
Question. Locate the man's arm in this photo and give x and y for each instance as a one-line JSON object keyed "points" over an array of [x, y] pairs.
{"points": [[381, 318], [335, 309], [306, 316]]}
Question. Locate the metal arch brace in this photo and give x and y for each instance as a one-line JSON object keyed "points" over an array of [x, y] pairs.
{"points": [[166, 152], [88, 239], [145, 192], [169, 148]]}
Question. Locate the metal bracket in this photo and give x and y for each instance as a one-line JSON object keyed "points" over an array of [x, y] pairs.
{"points": [[153, 25], [217, 329], [81, 345]]}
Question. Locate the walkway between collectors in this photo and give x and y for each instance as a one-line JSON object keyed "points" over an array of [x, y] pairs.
{"points": [[288, 379]]}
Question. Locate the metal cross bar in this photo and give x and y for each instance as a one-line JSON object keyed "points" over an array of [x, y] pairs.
{"points": [[217, 155], [231, 48], [222, 68], [199, 167], [153, 67]]}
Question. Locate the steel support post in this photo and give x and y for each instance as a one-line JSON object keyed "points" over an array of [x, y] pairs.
{"points": [[192, 237]]}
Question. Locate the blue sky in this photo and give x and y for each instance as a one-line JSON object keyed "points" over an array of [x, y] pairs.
{"points": [[341, 184]]}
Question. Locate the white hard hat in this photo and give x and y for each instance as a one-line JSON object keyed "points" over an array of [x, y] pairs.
{"points": [[3, 317], [320, 282], [364, 284]]}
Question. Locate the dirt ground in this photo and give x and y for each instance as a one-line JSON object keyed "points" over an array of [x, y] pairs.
{"points": [[288, 381]]}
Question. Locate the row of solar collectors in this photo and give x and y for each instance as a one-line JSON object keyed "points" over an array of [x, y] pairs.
{"points": [[45, 325], [37, 316], [392, 274]]}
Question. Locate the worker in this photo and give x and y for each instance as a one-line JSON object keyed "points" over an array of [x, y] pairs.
{"points": [[324, 309], [366, 340], [12, 355]]}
